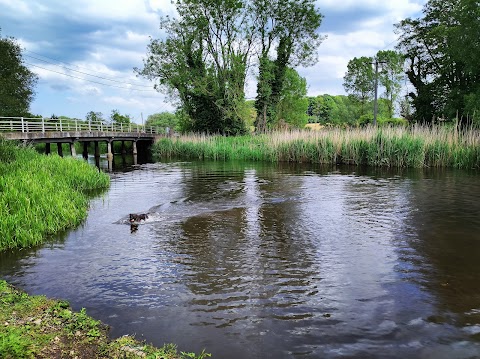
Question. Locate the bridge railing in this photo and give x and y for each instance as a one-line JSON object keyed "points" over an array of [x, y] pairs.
{"points": [[25, 125]]}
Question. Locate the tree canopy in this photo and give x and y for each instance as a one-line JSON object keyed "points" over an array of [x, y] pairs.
{"points": [[163, 120], [118, 118], [442, 49], [17, 81], [359, 80], [211, 45]]}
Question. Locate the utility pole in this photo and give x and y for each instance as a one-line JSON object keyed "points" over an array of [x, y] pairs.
{"points": [[375, 103]]}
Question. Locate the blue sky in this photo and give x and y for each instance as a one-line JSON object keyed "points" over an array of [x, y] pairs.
{"points": [[84, 51]]}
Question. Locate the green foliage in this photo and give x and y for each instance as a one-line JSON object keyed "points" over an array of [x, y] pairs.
{"points": [[342, 110], [293, 104], [381, 121], [17, 81], [359, 80], [390, 76], [14, 344], [442, 53], [203, 63], [204, 59], [94, 117], [41, 195], [390, 146], [290, 27], [202, 355], [118, 119], [38, 327], [163, 120]]}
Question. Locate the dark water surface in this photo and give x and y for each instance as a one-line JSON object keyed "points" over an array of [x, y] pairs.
{"points": [[264, 261]]}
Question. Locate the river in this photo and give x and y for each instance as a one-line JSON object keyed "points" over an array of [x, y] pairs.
{"points": [[252, 260]]}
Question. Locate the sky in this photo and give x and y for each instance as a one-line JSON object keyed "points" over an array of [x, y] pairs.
{"points": [[84, 51]]}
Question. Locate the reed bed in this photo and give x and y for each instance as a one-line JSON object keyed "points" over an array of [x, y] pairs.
{"points": [[416, 146], [41, 195]]}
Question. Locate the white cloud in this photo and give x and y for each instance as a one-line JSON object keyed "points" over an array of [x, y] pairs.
{"points": [[108, 38]]}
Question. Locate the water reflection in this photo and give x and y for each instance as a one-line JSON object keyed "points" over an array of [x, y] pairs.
{"points": [[260, 261]]}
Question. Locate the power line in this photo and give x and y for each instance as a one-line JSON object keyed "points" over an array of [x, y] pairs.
{"points": [[66, 63], [95, 82], [85, 73]]}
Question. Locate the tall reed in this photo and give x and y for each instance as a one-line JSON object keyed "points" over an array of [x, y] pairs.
{"points": [[41, 195], [416, 146]]}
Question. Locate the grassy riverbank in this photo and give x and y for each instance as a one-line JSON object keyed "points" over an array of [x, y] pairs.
{"points": [[38, 327], [41, 195], [417, 146]]}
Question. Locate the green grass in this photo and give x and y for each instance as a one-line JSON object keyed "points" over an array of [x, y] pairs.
{"points": [[38, 327], [42, 195], [416, 147]]}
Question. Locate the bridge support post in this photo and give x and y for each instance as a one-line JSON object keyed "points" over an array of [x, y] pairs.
{"points": [[110, 156], [134, 147], [47, 148], [124, 150], [97, 150], [72, 149], [59, 149], [109, 150], [85, 150]]}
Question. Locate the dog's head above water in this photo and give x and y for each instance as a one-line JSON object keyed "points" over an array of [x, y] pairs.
{"points": [[138, 217]]}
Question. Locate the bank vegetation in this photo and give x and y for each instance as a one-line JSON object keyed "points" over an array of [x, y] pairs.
{"points": [[42, 195], [416, 146]]}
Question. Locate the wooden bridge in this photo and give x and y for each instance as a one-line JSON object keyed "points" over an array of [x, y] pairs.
{"points": [[59, 131]]}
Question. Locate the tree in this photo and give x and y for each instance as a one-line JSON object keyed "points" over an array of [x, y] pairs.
{"points": [[291, 28], [204, 59], [94, 117], [17, 81], [163, 120], [293, 104], [119, 119], [390, 76], [442, 52], [359, 80], [203, 62]]}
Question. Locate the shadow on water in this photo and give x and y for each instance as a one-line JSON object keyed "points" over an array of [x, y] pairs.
{"points": [[253, 260]]}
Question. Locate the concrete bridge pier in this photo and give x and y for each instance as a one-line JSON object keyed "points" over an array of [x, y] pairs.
{"points": [[109, 150], [97, 150], [85, 149], [47, 148], [72, 149], [110, 156], [123, 149], [59, 149], [134, 148]]}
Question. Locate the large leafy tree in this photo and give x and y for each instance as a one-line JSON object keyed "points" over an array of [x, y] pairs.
{"points": [[287, 35], [359, 80], [209, 49], [17, 82], [293, 103], [391, 76], [442, 51], [203, 62]]}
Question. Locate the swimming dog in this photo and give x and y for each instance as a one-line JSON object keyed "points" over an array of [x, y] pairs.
{"points": [[138, 217]]}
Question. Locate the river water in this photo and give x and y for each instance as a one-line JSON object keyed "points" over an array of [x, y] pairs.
{"points": [[253, 260]]}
